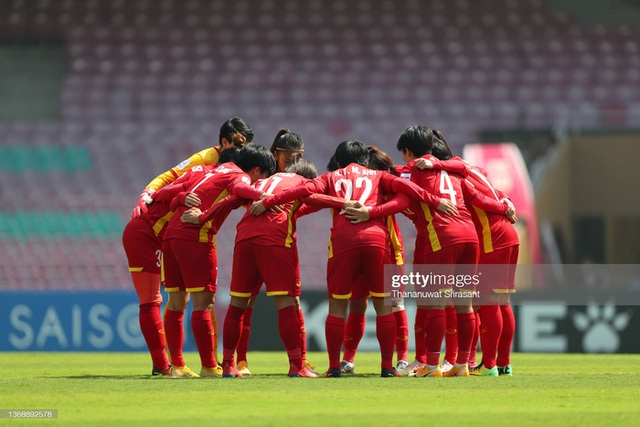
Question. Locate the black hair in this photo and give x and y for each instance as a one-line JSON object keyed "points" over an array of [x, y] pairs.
{"points": [[440, 147], [352, 151], [233, 126], [252, 155], [332, 165], [417, 139], [302, 167], [287, 140], [229, 155]]}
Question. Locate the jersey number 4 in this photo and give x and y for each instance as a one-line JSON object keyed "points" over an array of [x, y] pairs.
{"points": [[446, 187]]}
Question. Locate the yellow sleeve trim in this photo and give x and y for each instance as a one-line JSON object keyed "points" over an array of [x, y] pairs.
{"points": [[136, 269]]}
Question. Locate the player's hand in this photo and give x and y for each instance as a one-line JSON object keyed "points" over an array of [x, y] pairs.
{"points": [[192, 200], [358, 215], [423, 163], [447, 207], [143, 202], [191, 216], [352, 204], [257, 208]]}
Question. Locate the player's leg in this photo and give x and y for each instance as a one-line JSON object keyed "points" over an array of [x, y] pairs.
{"points": [[466, 266], [148, 289], [450, 338], [243, 343], [354, 329], [245, 280], [341, 274], [371, 262], [174, 312], [232, 330], [199, 266], [144, 256], [508, 320], [402, 336]]}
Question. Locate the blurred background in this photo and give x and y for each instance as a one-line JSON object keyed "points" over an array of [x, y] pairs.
{"points": [[97, 97]]}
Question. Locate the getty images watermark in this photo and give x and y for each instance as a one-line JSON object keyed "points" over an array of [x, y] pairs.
{"points": [[459, 284], [433, 285]]}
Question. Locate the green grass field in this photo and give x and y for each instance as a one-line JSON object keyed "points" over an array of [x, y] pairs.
{"points": [[113, 389]]}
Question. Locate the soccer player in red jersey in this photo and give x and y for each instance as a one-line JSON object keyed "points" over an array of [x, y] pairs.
{"points": [[287, 147], [499, 246], [354, 329], [142, 242], [356, 249], [235, 132], [449, 241], [190, 258]]}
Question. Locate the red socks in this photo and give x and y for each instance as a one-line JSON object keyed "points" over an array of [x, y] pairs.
{"points": [[466, 327], [490, 330], [204, 336], [334, 335], [402, 334], [153, 332], [243, 344], [289, 329], [303, 334], [419, 330], [436, 325], [506, 338], [353, 333], [232, 329], [451, 335], [174, 333], [385, 332]]}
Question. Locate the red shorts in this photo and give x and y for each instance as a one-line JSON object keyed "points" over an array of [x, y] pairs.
{"points": [[275, 266], [457, 262], [142, 246], [189, 266], [500, 279], [361, 289], [344, 268]]}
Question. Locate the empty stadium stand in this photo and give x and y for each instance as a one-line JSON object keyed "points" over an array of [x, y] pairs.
{"points": [[149, 82]]}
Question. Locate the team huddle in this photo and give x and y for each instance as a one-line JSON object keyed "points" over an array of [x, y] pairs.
{"points": [[462, 223]]}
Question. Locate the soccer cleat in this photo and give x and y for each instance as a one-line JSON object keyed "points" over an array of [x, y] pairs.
{"points": [[243, 368], [347, 367], [445, 366], [457, 371], [414, 366], [426, 371], [157, 372], [215, 372], [402, 366], [481, 371], [309, 367], [229, 370], [302, 373], [333, 373], [183, 372], [505, 370], [388, 373]]}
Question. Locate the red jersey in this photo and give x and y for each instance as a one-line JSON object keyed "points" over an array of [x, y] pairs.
{"points": [[438, 229], [159, 212], [355, 182], [211, 186], [273, 228], [494, 230]]}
